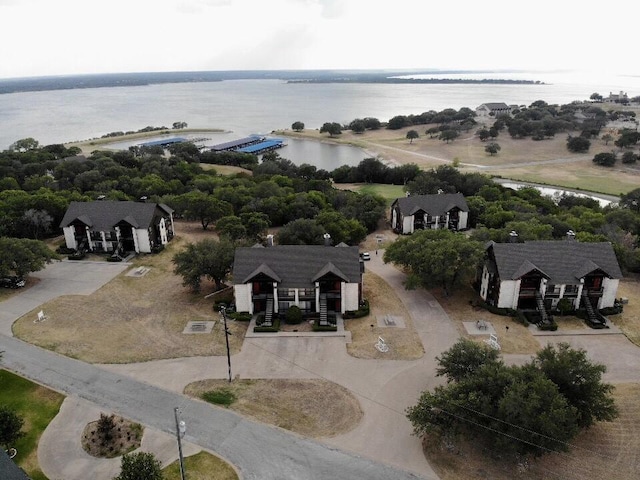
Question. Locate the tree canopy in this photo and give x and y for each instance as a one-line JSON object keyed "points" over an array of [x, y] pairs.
{"points": [[10, 426], [207, 258], [21, 256], [436, 258], [534, 409]]}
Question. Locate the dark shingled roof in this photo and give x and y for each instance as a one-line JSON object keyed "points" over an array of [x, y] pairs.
{"points": [[437, 204], [561, 261], [9, 470], [103, 215], [296, 265], [496, 106]]}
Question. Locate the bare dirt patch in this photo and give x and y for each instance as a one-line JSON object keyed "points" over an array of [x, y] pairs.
{"points": [[134, 319], [404, 343], [515, 339], [606, 450], [315, 408]]}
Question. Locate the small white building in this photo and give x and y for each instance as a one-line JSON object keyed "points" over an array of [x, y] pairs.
{"points": [[516, 274], [112, 226], [493, 109], [429, 212]]}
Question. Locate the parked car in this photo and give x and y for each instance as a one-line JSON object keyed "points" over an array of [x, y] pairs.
{"points": [[12, 282], [365, 256]]}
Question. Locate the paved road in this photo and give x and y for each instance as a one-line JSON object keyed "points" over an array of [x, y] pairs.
{"points": [[259, 451]]}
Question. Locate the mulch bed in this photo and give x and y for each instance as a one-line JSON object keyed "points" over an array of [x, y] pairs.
{"points": [[125, 437]]}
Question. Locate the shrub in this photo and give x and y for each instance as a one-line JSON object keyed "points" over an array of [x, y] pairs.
{"points": [[294, 315], [324, 328], [241, 316], [362, 311], [261, 328], [222, 396], [565, 306]]}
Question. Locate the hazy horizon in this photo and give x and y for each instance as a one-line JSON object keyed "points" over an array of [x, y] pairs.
{"points": [[75, 37]]}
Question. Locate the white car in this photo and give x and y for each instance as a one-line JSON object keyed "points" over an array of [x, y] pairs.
{"points": [[365, 256]]}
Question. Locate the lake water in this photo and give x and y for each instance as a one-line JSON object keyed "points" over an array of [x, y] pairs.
{"points": [[260, 106]]}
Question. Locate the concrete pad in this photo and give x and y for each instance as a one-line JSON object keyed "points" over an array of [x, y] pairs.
{"points": [[196, 327], [138, 272], [472, 328], [392, 321]]}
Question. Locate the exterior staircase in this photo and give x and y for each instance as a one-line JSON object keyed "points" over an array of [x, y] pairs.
{"points": [[594, 319], [323, 309], [544, 318], [268, 315]]}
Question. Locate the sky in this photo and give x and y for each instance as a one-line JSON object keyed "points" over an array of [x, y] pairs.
{"points": [[60, 37]]}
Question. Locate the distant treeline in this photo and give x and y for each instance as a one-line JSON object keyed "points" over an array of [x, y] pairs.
{"points": [[382, 79], [67, 82]]}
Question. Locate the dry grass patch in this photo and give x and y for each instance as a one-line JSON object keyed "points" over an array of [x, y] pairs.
{"points": [[607, 450], [517, 339], [132, 319], [629, 320], [314, 408], [404, 343]]}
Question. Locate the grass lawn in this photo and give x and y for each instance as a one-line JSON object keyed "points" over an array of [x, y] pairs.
{"points": [[202, 466], [37, 405], [629, 320], [314, 408], [388, 192]]}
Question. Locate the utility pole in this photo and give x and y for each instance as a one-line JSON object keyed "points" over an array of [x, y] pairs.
{"points": [[180, 431], [223, 311]]}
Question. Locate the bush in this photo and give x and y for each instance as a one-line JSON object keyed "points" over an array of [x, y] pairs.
{"points": [[324, 328], [565, 306], [63, 250], [274, 328], [114, 258], [293, 315], [362, 311], [157, 248], [615, 310], [222, 396], [76, 256], [241, 316]]}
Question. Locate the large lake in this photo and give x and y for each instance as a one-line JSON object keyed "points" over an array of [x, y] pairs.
{"points": [[260, 106]]}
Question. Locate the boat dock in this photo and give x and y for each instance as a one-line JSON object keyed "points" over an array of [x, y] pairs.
{"points": [[236, 144], [262, 147]]}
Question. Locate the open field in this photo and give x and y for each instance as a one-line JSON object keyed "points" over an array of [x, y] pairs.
{"points": [[225, 169], [134, 319], [629, 320], [315, 408], [37, 405], [547, 161]]}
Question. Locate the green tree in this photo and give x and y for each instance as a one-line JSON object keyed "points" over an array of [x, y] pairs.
{"points": [[207, 258], [464, 358], [203, 207], [231, 227], [179, 125], [255, 223], [436, 258], [605, 159], [483, 134], [578, 144], [492, 148], [332, 128], [341, 229], [580, 381], [304, 231], [411, 135], [631, 200], [596, 97], [448, 135], [607, 138], [10, 426], [140, 466], [21, 256], [357, 126], [297, 126], [24, 145], [629, 157]]}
